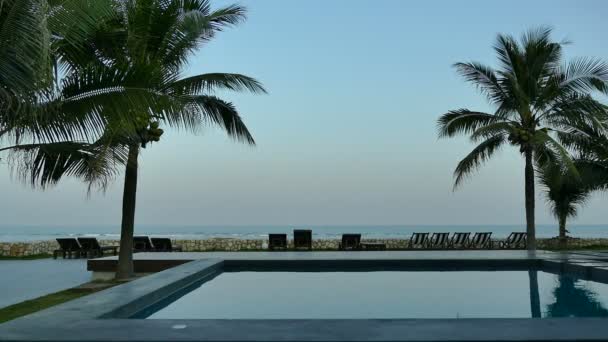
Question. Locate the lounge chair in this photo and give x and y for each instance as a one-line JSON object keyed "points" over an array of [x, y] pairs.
{"points": [[439, 241], [68, 247], [514, 240], [419, 240], [459, 240], [302, 239], [481, 241], [277, 241], [92, 248], [350, 242], [164, 245], [142, 244]]}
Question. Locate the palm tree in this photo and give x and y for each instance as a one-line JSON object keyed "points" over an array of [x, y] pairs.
{"points": [[148, 47], [129, 64], [536, 99], [565, 193]]}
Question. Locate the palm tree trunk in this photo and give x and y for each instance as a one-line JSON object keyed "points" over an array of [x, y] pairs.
{"points": [[562, 232], [529, 180], [125, 256]]}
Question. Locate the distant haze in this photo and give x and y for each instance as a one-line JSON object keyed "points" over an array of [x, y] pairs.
{"points": [[347, 134]]}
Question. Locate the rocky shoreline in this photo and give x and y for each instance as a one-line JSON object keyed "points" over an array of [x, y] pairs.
{"points": [[20, 249]]}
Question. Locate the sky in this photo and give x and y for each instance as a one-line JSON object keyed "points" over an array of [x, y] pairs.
{"points": [[347, 133]]}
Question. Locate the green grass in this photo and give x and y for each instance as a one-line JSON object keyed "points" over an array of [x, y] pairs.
{"points": [[30, 306], [28, 257]]}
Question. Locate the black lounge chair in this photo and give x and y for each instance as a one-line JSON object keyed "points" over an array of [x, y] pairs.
{"points": [[439, 241], [142, 244], [515, 240], [165, 245], [277, 241], [68, 247], [418, 240], [481, 241], [459, 240], [92, 248], [350, 242], [302, 239]]}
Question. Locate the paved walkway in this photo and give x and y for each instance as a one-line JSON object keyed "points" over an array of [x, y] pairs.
{"points": [[27, 279]]}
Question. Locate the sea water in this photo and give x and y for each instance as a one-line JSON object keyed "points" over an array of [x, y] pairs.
{"points": [[13, 233]]}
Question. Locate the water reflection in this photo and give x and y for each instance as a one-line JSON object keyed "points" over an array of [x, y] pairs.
{"points": [[534, 294], [573, 299]]}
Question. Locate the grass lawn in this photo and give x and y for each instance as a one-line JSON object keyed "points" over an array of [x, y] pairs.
{"points": [[30, 306]]}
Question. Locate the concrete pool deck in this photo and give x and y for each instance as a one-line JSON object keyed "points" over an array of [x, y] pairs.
{"points": [[104, 316]]}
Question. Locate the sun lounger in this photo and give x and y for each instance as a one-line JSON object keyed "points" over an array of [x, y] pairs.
{"points": [[142, 244], [439, 241], [92, 248], [459, 240], [350, 242], [277, 241], [302, 239], [419, 240], [481, 241], [514, 240], [68, 247], [164, 245]]}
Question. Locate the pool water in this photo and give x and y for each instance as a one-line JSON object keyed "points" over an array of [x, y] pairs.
{"points": [[390, 294]]}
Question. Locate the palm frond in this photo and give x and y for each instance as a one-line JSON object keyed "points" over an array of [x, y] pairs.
{"points": [[47, 164], [224, 114], [476, 158], [508, 53], [206, 83], [463, 121], [584, 75], [492, 129], [196, 24], [24, 48], [484, 78], [542, 140], [76, 26]]}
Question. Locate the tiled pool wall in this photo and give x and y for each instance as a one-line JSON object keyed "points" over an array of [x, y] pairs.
{"points": [[18, 249]]}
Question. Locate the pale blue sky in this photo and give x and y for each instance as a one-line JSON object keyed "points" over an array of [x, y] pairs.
{"points": [[347, 133]]}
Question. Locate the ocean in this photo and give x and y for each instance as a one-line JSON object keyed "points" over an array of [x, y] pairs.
{"points": [[14, 233]]}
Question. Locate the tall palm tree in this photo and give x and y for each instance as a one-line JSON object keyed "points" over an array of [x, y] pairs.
{"points": [[148, 47], [535, 97]]}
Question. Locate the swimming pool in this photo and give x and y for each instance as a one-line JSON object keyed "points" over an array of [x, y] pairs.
{"points": [[385, 295], [320, 297]]}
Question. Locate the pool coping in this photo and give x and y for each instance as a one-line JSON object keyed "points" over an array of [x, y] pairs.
{"points": [[103, 316]]}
